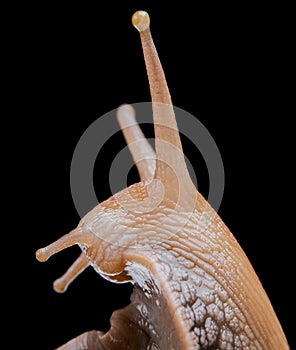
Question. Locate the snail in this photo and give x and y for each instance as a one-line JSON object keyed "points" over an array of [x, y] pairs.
{"points": [[194, 287]]}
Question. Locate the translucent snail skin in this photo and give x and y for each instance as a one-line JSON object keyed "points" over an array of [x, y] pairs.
{"points": [[194, 287]]}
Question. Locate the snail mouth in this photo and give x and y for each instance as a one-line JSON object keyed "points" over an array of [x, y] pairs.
{"points": [[121, 277]]}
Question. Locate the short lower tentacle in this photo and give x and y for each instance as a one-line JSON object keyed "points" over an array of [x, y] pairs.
{"points": [[80, 264]]}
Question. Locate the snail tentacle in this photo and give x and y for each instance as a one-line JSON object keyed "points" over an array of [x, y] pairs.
{"points": [[61, 284], [76, 236], [169, 154], [141, 150]]}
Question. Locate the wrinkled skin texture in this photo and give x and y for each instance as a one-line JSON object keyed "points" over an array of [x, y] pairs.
{"points": [[188, 285], [194, 288]]}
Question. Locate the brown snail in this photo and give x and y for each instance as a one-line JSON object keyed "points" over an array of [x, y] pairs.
{"points": [[194, 288]]}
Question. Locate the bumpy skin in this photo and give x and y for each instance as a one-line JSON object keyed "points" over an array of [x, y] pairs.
{"points": [[194, 286]]}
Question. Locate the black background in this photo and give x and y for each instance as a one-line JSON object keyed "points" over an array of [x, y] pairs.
{"points": [[72, 64]]}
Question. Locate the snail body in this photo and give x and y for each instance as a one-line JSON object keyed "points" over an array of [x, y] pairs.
{"points": [[194, 287]]}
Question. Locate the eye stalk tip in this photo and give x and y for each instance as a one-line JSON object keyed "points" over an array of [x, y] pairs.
{"points": [[141, 20], [59, 286], [126, 109], [41, 255]]}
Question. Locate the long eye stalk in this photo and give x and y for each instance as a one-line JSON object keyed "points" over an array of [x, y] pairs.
{"points": [[168, 146]]}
